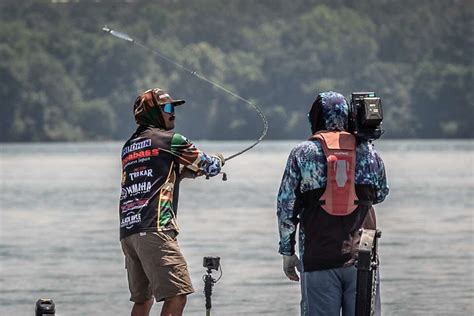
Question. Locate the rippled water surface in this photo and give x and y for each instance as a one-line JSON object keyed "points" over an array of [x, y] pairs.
{"points": [[59, 230]]}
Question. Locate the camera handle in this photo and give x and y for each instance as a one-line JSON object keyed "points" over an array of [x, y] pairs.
{"points": [[367, 270], [209, 282]]}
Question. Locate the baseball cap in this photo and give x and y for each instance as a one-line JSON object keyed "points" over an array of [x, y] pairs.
{"points": [[151, 99]]}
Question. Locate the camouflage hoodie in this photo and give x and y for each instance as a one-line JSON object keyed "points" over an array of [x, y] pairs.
{"points": [[306, 169]]}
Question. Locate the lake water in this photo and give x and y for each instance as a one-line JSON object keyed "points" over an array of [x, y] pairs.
{"points": [[59, 230]]}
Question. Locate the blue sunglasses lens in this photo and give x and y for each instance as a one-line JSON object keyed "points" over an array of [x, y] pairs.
{"points": [[168, 108]]}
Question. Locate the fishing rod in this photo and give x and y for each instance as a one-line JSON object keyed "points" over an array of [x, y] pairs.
{"points": [[129, 39]]}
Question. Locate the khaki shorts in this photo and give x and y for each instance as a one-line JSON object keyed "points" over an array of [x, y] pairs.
{"points": [[155, 266]]}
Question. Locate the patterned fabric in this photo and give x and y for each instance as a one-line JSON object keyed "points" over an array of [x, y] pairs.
{"points": [[188, 155], [335, 111], [306, 170]]}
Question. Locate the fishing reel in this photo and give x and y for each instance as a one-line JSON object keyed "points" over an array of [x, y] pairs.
{"points": [[188, 173], [224, 176]]}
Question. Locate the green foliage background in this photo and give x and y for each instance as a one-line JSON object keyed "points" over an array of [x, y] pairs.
{"points": [[62, 79]]}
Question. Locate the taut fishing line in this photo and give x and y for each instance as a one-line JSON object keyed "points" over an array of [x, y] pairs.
{"points": [[129, 39]]}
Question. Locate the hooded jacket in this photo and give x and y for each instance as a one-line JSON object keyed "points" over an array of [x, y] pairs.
{"points": [[326, 241]]}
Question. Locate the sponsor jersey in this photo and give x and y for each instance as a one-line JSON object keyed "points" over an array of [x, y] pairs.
{"points": [[151, 161]]}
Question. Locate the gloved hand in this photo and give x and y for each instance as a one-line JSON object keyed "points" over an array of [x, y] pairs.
{"points": [[289, 267], [221, 158]]}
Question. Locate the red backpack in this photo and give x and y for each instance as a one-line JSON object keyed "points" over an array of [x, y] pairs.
{"points": [[339, 198]]}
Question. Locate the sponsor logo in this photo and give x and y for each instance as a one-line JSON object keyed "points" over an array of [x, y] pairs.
{"points": [[140, 173], [130, 220], [137, 188], [133, 205], [136, 156], [342, 153], [136, 146]]}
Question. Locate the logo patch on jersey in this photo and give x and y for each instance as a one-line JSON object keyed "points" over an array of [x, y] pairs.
{"points": [[130, 220], [136, 146], [141, 173], [133, 205], [138, 188], [134, 157]]}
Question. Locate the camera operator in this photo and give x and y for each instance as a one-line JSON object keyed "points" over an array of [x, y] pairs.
{"points": [[328, 188]]}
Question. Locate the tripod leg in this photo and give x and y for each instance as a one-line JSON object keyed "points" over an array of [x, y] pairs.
{"points": [[208, 283]]}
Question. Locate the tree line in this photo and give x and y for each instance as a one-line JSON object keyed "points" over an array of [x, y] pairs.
{"points": [[63, 79]]}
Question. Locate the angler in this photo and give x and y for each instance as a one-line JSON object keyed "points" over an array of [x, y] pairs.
{"points": [[155, 265], [151, 242]]}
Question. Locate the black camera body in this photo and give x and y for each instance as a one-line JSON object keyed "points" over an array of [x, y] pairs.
{"points": [[211, 263], [365, 116]]}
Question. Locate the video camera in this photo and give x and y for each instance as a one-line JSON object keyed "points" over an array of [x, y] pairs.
{"points": [[211, 263], [365, 116]]}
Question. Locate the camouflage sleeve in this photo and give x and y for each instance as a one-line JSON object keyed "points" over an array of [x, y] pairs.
{"points": [[381, 186], [190, 156], [287, 208]]}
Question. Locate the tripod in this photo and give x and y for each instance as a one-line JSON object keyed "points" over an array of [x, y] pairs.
{"points": [[211, 263], [209, 282]]}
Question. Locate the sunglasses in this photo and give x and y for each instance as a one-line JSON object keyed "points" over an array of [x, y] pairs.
{"points": [[168, 108]]}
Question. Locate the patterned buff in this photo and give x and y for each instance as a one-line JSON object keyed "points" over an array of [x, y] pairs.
{"points": [[335, 111], [329, 112], [146, 108]]}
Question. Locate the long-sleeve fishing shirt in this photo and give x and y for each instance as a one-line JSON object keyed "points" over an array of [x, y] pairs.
{"points": [[151, 161], [306, 170], [306, 173]]}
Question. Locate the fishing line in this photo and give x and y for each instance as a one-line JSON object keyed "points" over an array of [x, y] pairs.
{"points": [[127, 38]]}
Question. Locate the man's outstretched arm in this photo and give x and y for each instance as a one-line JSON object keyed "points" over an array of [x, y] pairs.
{"points": [[194, 159]]}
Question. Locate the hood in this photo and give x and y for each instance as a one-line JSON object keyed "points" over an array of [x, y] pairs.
{"points": [[329, 112]]}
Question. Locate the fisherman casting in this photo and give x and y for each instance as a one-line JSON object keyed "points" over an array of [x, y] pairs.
{"points": [[154, 147], [154, 161]]}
